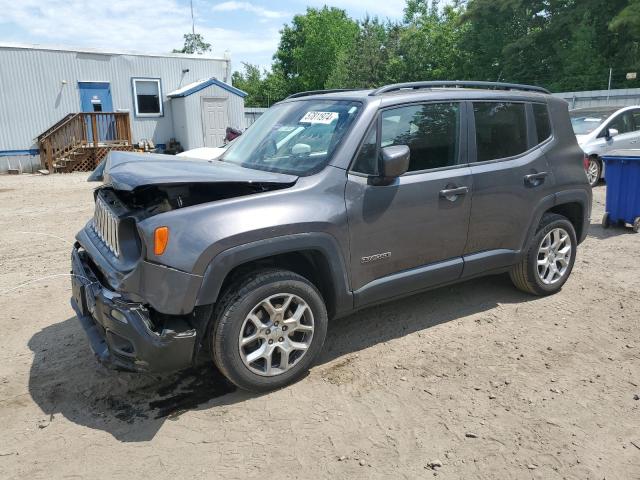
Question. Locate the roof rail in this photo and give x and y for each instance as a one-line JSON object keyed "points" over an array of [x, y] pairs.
{"points": [[457, 84], [320, 92]]}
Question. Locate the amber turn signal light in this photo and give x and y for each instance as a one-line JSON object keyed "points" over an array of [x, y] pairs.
{"points": [[160, 240]]}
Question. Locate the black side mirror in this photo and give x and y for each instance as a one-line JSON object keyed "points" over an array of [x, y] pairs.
{"points": [[395, 161]]}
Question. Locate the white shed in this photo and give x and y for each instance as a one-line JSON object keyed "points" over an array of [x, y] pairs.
{"points": [[203, 110]]}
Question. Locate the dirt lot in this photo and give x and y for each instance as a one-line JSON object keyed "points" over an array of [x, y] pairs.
{"points": [[488, 381]]}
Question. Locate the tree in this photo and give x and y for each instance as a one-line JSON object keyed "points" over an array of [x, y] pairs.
{"points": [[263, 89], [505, 40], [250, 81], [629, 17], [429, 43], [194, 43], [559, 44], [310, 47], [364, 65]]}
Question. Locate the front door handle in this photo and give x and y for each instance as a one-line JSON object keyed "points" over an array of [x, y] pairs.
{"points": [[453, 193], [535, 179]]}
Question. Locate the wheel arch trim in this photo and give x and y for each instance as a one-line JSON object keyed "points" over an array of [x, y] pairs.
{"points": [[223, 263], [579, 196], [582, 197]]}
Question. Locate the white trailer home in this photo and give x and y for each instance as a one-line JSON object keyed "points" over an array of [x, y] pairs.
{"points": [[71, 106]]}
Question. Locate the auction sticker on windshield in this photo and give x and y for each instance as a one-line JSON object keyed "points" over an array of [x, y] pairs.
{"points": [[324, 118]]}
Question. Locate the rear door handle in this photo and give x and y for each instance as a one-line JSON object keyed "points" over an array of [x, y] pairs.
{"points": [[535, 179], [452, 194]]}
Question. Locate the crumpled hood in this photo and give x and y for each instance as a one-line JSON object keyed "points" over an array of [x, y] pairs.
{"points": [[127, 171]]}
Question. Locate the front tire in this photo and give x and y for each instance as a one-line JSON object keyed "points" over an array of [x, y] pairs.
{"points": [[268, 330], [547, 264], [594, 171]]}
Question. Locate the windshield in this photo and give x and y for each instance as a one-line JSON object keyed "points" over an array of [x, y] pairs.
{"points": [[297, 138], [585, 122]]}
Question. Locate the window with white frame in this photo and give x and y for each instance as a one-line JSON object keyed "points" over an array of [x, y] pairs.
{"points": [[147, 97]]}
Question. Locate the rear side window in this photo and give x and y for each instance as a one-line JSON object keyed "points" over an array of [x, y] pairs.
{"points": [[543, 125], [501, 130], [430, 131]]}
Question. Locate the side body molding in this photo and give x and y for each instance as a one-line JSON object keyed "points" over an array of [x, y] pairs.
{"points": [[324, 243]]}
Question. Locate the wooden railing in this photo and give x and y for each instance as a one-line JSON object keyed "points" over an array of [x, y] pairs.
{"points": [[54, 126], [80, 130]]}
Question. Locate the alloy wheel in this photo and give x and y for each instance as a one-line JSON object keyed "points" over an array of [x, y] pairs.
{"points": [[276, 334], [554, 256], [593, 171]]}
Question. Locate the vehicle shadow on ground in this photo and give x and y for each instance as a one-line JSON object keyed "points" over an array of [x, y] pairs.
{"points": [[65, 379], [597, 231]]}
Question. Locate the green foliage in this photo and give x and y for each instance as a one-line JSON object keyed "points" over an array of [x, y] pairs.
{"points": [[311, 46], [194, 43], [560, 44], [430, 43], [364, 65], [263, 89], [628, 18]]}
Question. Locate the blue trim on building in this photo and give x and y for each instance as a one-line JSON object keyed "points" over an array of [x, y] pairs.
{"points": [[15, 153], [208, 83]]}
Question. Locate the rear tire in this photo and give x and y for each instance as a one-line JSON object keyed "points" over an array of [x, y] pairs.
{"points": [[606, 221], [268, 329], [547, 264]]}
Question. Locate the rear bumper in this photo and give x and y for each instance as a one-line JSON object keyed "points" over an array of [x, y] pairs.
{"points": [[120, 332]]}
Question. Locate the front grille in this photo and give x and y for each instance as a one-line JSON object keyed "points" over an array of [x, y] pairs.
{"points": [[105, 224]]}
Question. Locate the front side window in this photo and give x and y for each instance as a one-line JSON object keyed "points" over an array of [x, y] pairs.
{"points": [[623, 123], [636, 120], [147, 97], [501, 130], [430, 131], [298, 137]]}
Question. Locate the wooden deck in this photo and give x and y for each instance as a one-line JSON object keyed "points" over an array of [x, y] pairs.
{"points": [[79, 141]]}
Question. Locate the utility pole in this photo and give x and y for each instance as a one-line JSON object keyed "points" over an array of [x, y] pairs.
{"points": [[609, 88], [193, 22]]}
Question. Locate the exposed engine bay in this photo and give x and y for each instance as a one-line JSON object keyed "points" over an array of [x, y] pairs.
{"points": [[149, 200]]}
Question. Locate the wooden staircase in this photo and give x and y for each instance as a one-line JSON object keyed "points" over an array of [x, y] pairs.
{"points": [[79, 141]]}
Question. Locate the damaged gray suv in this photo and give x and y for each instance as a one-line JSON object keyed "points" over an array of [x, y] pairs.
{"points": [[331, 202]]}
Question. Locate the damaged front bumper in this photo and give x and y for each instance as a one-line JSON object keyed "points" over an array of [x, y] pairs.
{"points": [[122, 333]]}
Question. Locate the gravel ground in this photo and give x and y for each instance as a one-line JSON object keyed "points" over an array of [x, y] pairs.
{"points": [[472, 381]]}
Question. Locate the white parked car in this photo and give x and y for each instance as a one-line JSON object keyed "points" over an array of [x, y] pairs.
{"points": [[600, 130], [203, 153]]}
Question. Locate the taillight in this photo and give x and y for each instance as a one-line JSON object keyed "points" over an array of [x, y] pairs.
{"points": [[160, 240], [585, 162]]}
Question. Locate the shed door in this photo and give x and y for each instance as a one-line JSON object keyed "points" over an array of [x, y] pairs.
{"points": [[215, 122]]}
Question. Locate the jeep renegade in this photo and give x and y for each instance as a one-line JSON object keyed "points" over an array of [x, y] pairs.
{"points": [[331, 202]]}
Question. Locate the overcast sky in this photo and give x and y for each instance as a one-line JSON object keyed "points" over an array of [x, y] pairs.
{"points": [[247, 29]]}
